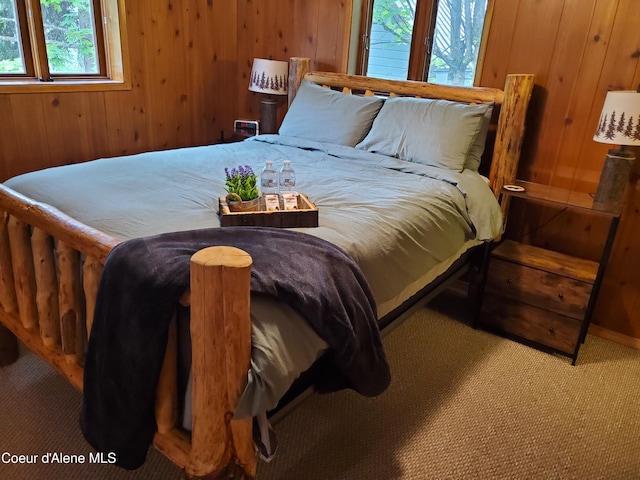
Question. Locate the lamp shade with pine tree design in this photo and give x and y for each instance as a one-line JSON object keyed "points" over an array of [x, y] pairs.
{"points": [[620, 119], [269, 76]]}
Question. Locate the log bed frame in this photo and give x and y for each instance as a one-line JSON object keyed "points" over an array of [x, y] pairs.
{"points": [[50, 266]]}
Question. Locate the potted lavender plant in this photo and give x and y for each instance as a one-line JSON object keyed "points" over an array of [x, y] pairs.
{"points": [[242, 189]]}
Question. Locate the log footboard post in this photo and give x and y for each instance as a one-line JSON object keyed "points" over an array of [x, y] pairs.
{"points": [[221, 447]]}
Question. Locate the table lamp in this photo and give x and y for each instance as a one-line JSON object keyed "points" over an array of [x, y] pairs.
{"points": [[270, 78], [619, 125]]}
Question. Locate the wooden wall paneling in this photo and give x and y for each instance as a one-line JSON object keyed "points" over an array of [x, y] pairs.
{"points": [[618, 69], [499, 42], [29, 125], [116, 131], [162, 63], [256, 49], [225, 66], [334, 36], [9, 151], [327, 38], [127, 111], [285, 34], [126, 121], [84, 133], [578, 129], [171, 64], [96, 124], [269, 25], [199, 56], [299, 33], [568, 53], [285, 12], [273, 28], [211, 57], [144, 47], [213, 18], [247, 104], [61, 152], [310, 20], [536, 29], [343, 35]]}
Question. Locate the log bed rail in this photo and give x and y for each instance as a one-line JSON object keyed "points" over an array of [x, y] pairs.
{"points": [[50, 266]]}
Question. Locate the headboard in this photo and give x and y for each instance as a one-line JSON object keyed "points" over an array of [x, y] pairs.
{"points": [[507, 122]]}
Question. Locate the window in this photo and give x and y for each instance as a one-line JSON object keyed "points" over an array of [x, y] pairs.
{"points": [[430, 40], [65, 42]]}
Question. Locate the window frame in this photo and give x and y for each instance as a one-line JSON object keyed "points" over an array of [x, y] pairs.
{"points": [[111, 43], [421, 39]]}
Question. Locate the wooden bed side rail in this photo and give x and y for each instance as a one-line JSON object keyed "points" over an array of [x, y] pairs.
{"points": [[50, 266], [77, 235], [45, 286]]}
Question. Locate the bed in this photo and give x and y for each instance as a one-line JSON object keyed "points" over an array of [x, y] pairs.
{"points": [[358, 163]]}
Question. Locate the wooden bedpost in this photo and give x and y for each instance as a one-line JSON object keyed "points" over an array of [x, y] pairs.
{"points": [[221, 447], [508, 145], [298, 68]]}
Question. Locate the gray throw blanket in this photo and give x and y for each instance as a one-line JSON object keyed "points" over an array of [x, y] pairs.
{"points": [[139, 290]]}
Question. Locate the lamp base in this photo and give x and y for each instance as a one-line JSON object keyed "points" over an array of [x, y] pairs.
{"points": [[268, 115], [614, 177]]}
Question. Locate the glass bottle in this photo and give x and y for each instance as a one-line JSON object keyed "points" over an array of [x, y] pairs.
{"points": [[287, 180], [269, 179]]}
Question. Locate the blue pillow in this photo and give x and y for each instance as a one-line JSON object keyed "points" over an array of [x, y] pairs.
{"points": [[438, 133], [325, 115]]}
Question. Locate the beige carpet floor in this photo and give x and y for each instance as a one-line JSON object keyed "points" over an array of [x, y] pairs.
{"points": [[463, 404]]}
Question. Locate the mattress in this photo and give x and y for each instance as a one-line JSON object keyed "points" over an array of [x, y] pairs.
{"points": [[404, 223]]}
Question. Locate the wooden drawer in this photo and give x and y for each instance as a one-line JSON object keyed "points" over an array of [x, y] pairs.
{"points": [[547, 260], [532, 323], [539, 288]]}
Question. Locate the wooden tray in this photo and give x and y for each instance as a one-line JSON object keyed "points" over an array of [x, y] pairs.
{"points": [[305, 216]]}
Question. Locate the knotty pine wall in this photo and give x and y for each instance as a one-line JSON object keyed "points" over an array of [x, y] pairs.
{"points": [[190, 65]]}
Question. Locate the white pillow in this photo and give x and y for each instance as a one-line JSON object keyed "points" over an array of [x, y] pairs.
{"points": [[439, 133], [325, 115]]}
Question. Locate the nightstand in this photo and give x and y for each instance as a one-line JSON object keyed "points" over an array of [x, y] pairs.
{"points": [[542, 297]]}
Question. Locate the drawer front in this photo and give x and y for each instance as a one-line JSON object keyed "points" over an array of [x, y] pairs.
{"points": [[532, 323], [538, 288]]}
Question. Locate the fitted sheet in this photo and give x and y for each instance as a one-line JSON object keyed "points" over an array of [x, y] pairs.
{"points": [[400, 221]]}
